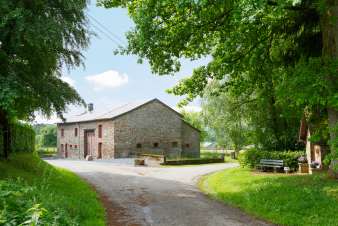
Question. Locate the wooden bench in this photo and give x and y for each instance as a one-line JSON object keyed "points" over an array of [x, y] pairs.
{"points": [[270, 163]]}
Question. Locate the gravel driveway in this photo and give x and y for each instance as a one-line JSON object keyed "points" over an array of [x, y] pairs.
{"points": [[156, 196]]}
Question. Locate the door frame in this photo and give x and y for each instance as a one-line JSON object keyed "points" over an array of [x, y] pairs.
{"points": [[66, 150], [86, 131]]}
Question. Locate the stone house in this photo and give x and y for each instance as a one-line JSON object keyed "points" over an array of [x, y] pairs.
{"points": [[150, 127]]}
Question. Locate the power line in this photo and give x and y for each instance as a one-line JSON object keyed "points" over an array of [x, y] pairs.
{"points": [[106, 29], [107, 35]]}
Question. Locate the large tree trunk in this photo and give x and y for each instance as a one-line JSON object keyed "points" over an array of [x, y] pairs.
{"points": [[6, 135], [329, 25]]}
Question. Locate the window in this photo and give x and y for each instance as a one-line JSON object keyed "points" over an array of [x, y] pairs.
{"points": [[75, 132], [62, 132], [187, 145], [75, 146], [71, 146], [155, 145], [99, 151], [100, 131], [174, 144], [138, 145]]}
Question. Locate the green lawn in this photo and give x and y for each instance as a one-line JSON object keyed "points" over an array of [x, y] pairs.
{"points": [[44, 152], [54, 196], [281, 199]]}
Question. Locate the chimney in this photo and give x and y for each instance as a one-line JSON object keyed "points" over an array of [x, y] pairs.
{"points": [[90, 107]]}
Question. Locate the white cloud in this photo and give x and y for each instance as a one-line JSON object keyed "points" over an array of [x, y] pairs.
{"points": [[69, 80], [108, 79]]}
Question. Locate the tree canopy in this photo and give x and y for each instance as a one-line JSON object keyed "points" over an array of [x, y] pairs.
{"points": [[278, 55], [38, 39], [196, 120]]}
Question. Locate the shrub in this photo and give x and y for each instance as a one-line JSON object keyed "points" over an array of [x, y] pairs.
{"points": [[22, 138], [21, 204], [45, 195], [251, 157]]}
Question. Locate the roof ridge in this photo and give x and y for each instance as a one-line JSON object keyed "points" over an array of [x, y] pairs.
{"points": [[117, 111], [114, 109]]}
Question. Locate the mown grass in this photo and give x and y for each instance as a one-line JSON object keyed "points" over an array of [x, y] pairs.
{"points": [[64, 196], [282, 199], [44, 152]]}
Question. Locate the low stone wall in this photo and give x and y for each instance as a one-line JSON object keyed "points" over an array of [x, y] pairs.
{"points": [[152, 160], [193, 161], [157, 160]]}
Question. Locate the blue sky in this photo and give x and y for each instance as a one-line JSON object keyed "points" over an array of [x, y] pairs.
{"points": [[109, 80]]}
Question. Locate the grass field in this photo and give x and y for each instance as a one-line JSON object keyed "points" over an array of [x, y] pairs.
{"points": [[281, 199], [45, 195], [44, 152]]}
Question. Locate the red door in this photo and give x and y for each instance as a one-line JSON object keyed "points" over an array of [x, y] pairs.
{"points": [[89, 143]]}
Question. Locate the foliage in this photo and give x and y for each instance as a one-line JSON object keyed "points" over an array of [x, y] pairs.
{"points": [[210, 154], [45, 135], [329, 157], [19, 207], [46, 152], [309, 200], [37, 40], [269, 53], [34, 193], [195, 119], [250, 158], [23, 138], [194, 161], [224, 114]]}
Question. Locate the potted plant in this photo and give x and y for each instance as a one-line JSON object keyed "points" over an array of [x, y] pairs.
{"points": [[303, 166]]}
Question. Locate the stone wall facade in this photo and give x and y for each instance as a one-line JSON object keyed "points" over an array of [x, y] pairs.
{"points": [[76, 144], [191, 138], [152, 128]]}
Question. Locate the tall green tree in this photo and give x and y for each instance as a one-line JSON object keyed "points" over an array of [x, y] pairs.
{"points": [[46, 135], [37, 40], [196, 120], [261, 46], [225, 114]]}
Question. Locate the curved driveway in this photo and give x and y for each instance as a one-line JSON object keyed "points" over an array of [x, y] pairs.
{"points": [[161, 196]]}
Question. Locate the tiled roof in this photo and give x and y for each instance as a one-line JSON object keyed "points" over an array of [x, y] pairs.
{"points": [[92, 116]]}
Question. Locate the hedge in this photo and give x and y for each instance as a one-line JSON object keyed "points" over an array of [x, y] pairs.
{"points": [[22, 138], [193, 161], [252, 157]]}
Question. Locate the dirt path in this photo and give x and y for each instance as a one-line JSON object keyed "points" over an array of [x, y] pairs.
{"points": [[156, 196]]}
